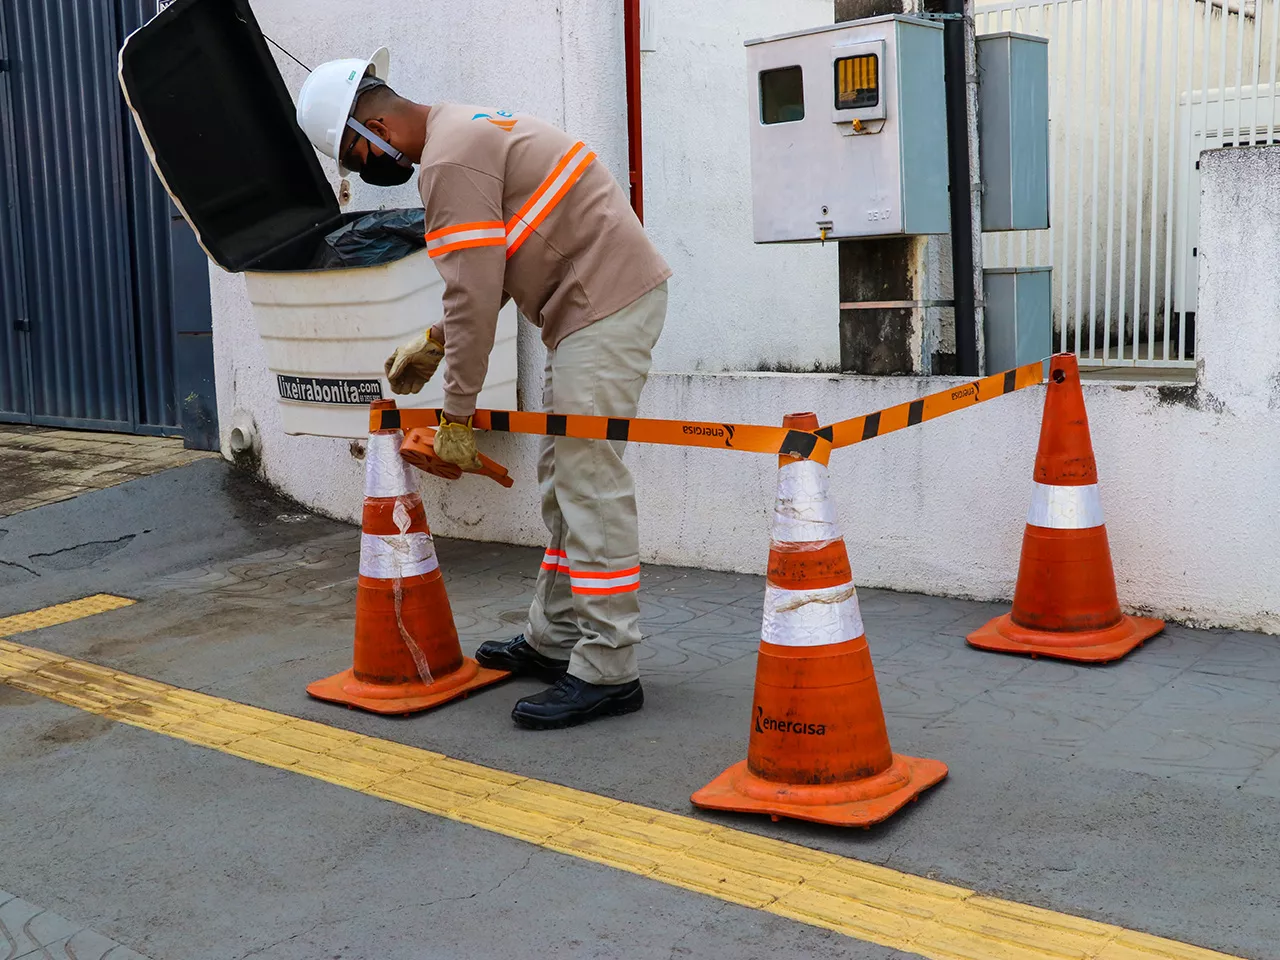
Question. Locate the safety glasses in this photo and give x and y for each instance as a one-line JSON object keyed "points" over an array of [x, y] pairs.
{"points": [[350, 161]]}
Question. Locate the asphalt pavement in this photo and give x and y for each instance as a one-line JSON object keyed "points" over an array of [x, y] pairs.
{"points": [[1145, 793]]}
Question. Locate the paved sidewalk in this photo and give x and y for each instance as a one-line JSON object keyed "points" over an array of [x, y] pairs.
{"points": [[29, 933], [43, 465], [1143, 794]]}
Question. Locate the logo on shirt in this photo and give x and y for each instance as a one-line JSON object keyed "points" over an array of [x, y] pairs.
{"points": [[501, 118]]}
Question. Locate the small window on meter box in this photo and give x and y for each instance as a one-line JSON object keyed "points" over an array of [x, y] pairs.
{"points": [[857, 82], [781, 95]]}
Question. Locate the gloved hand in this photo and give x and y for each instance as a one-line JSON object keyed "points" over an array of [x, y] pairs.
{"points": [[411, 366], [456, 443]]}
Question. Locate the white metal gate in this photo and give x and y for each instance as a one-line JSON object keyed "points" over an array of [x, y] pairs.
{"points": [[1137, 89]]}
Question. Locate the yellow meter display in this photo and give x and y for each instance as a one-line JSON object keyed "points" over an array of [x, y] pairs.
{"points": [[857, 82]]}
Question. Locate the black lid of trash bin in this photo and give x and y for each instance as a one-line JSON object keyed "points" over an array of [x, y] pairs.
{"points": [[220, 127]]}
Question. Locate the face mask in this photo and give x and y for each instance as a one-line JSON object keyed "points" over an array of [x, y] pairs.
{"points": [[386, 169]]}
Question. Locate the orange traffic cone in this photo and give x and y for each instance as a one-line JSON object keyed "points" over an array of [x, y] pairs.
{"points": [[1065, 603], [818, 747], [407, 656]]}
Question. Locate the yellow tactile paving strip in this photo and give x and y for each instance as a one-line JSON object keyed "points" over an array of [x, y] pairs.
{"points": [[860, 900], [61, 613]]}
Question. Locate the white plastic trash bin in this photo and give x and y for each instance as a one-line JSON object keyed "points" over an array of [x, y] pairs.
{"points": [[328, 333], [218, 125]]}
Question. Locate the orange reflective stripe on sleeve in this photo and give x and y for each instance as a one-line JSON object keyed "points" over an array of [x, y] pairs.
{"points": [[549, 193], [483, 233], [513, 233]]}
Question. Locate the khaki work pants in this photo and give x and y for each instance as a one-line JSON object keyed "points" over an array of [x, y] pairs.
{"points": [[586, 607]]}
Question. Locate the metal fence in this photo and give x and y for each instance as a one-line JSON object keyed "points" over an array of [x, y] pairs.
{"points": [[1138, 88]]}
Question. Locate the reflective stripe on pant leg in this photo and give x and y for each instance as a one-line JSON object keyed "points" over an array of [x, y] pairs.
{"points": [[553, 625], [601, 370]]}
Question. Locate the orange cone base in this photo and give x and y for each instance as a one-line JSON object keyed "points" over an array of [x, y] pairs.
{"points": [[1088, 646], [402, 698], [857, 803]]}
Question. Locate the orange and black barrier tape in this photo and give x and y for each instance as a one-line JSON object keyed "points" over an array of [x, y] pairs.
{"points": [[846, 433], [747, 437]]}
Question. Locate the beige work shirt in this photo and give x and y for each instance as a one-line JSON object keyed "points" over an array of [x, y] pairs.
{"points": [[517, 208]]}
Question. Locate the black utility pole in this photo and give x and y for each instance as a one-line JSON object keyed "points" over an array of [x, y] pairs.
{"points": [[878, 278], [955, 49]]}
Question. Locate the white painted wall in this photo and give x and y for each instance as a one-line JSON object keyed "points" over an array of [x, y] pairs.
{"points": [[734, 305], [936, 509], [1187, 482], [1239, 339]]}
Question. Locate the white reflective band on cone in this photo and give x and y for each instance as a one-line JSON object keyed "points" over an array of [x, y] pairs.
{"points": [[385, 472], [397, 556], [804, 513], [1065, 508], [811, 618]]}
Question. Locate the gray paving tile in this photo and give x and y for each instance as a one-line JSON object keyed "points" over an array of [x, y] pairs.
{"points": [[723, 622], [1201, 728], [93, 946], [1129, 680], [931, 694], [122, 953], [88, 945], [917, 647], [25, 928], [1266, 779], [933, 613], [734, 680], [85, 945], [1176, 646], [1053, 708], [1247, 655], [686, 652]]}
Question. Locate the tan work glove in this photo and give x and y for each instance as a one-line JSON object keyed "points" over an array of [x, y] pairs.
{"points": [[456, 443], [411, 366]]}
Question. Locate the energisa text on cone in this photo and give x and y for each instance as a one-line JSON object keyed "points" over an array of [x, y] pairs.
{"points": [[818, 748]]}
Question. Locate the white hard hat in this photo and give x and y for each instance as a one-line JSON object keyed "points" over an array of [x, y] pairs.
{"points": [[328, 97]]}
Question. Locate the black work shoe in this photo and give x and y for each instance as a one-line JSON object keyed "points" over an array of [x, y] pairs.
{"points": [[518, 656], [572, 701]]}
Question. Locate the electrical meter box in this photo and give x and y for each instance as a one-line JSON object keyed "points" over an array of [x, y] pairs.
{"points": [[1013, 127], [1018, 324], [849, 132], [218, 124]]}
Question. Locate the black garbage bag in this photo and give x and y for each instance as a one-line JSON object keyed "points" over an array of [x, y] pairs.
{"points": [[382, 236]]}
